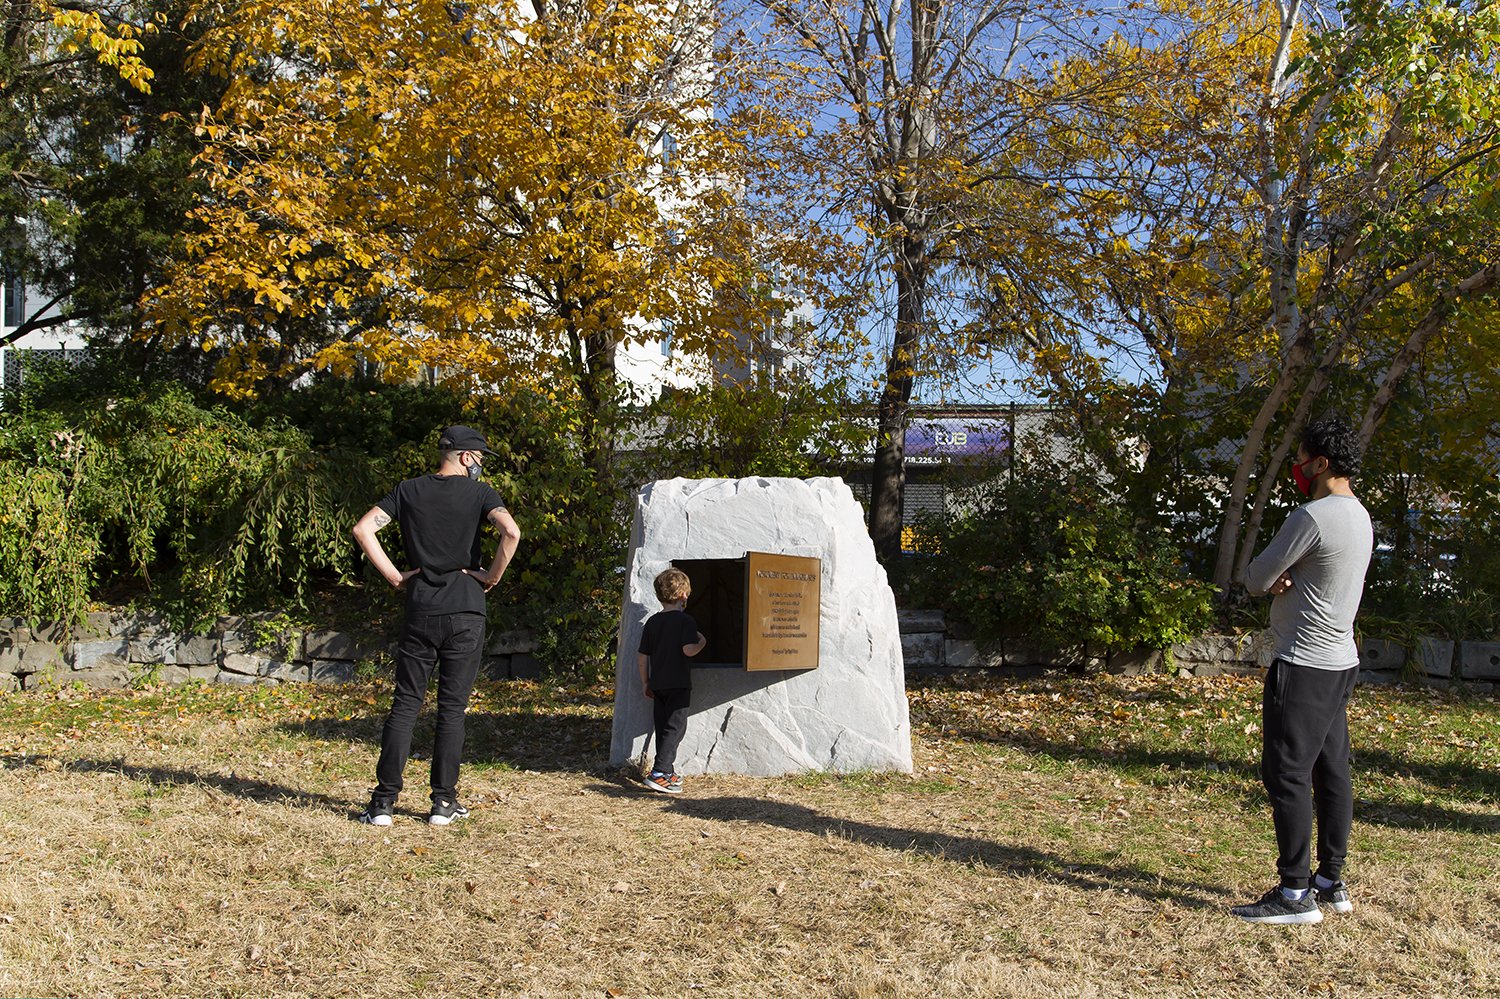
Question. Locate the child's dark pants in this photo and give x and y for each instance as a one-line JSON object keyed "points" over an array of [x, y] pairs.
{"points": [[669, 709]]}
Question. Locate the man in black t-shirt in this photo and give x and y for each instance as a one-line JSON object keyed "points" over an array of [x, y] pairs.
{"points": [[440, 517], [670, 638]]}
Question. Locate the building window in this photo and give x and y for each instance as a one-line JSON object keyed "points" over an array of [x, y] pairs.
{"points": [[668, 329], [15, 299]]}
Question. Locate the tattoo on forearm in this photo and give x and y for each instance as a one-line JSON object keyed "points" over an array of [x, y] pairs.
{"points": [[381, 519]]}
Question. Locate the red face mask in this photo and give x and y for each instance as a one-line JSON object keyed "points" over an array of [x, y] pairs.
{"points": [[1303, 480]]}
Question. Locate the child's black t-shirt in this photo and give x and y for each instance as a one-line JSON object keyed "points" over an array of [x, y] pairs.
{"points": [[662, 640], [440, 518]]}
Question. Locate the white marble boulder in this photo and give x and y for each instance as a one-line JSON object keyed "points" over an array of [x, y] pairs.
{"points": [[848, 714]]}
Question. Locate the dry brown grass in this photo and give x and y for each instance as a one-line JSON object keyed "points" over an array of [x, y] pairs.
{"points": [[200, 842]]}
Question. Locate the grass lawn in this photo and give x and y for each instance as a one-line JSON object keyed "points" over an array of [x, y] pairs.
{"points": [[1060, 837]]}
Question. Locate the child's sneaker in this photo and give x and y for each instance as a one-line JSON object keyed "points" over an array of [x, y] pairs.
{"points": [[446, 813], [658, 781], [376, 813], [674, 784]]}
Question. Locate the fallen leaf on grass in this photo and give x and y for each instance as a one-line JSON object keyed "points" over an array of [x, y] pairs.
{"points": [[469, 887]]}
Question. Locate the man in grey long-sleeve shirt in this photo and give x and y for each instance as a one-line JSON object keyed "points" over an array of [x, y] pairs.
{"points": [[1315, 570]]}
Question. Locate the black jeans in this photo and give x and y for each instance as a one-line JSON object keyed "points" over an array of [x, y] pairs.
{"points": [[454, 643], [669, 709], [1305, 765]]}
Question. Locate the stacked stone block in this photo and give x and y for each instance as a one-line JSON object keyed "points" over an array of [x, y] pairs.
{"points": [[112, 650], [929, 641]]}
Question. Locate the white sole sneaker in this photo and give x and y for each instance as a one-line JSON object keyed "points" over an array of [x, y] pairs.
{"points": [[1335, 897], [1276, 909], [1286, 919]]}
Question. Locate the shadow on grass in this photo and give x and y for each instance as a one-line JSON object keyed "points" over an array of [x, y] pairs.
{"points": [[569, 743], [247, 788], [1371, 767], [1021, 861], [547, 742]]}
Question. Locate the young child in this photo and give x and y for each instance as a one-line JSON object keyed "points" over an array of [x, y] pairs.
{"points": [[670, 639]]}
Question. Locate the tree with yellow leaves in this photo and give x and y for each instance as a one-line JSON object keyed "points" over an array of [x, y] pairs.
{"points": [[1378, 182], [499, 196], [1301, 190]]}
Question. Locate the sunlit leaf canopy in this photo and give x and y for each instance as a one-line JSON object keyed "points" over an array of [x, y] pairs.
{"points": [[503, 196], [106, 33]]}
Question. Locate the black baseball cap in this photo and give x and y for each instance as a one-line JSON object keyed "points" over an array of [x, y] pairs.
{"points": [[464, 439]]}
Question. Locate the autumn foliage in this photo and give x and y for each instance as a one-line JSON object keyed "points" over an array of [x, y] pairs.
{"points": [[501, 197]]}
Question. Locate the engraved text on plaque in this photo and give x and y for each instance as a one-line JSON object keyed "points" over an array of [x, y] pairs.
{"points": [[782, 602]]}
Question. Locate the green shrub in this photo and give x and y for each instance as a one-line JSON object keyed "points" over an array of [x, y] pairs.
{"points": [[47, 551], [564, 583], [207, 512], [1052, 556], [147, 493], [763, 428]]}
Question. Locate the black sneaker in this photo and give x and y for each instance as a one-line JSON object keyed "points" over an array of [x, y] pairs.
{"points": [[377, 813], [1274, 907], [446, 812], [1335, 896]]}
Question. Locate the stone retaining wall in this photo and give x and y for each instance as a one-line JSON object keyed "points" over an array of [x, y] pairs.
{"points": [[930, 642], [113, 650]]}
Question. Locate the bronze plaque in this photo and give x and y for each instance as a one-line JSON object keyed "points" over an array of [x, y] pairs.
{"points": [[782, 602]]}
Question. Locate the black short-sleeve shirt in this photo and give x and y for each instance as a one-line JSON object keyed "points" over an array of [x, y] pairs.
{"points": [[441, 517], [665, 634]]}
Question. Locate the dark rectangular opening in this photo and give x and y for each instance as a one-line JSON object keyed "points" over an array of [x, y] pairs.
{"points": [[717, 603]]}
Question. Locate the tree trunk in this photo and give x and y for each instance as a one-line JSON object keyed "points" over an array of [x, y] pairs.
{"points": [[1476, 285], [910, 215], [888, 480], [1234, 510], [598, 385], [1310, 395]]}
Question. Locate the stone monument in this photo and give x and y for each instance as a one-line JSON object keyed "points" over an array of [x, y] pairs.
{"points": [[844, 707]]}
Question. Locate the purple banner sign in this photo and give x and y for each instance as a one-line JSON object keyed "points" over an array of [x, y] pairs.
{"points": [[978, 438]]}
